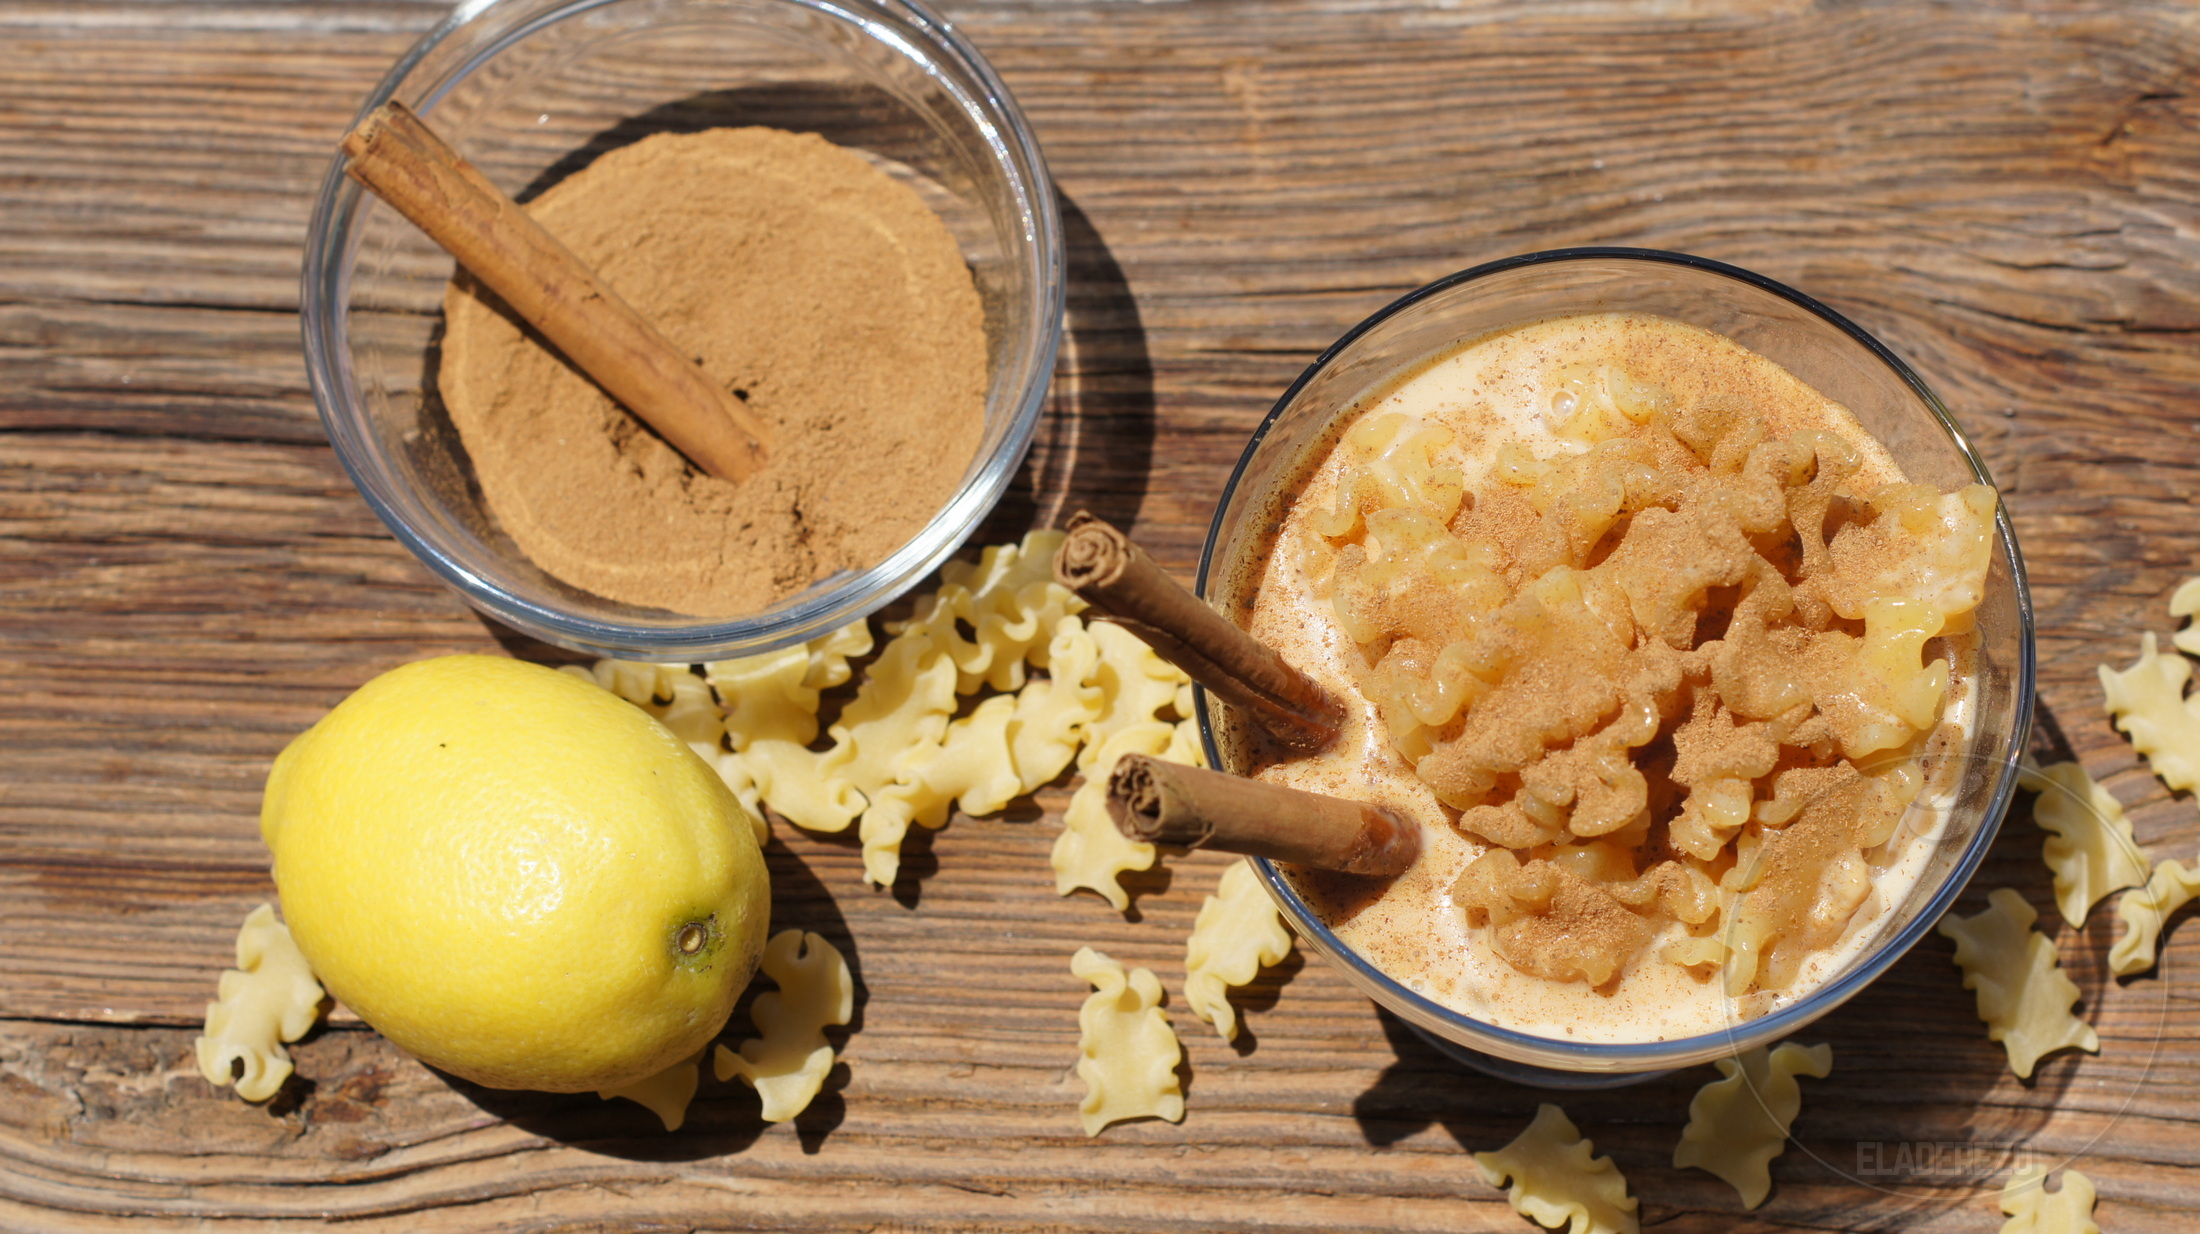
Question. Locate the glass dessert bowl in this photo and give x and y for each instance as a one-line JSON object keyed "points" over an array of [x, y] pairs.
{"points": [[1437, 946], [530, 90]]}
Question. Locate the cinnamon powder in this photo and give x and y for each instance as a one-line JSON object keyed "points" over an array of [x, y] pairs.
{"points": [[825, 294]]}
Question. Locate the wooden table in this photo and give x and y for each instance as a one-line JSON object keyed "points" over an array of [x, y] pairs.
{"points": [[2009, 198]]}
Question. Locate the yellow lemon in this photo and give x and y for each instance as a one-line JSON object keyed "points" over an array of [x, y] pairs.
{"points": [[516, 876]]}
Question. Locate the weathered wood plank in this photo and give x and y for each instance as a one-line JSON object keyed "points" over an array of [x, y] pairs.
{"points": [[2007, 196]]}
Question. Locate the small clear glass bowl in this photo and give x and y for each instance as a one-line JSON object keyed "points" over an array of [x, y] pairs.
{"points": [[531, 90], [1811, 341]]}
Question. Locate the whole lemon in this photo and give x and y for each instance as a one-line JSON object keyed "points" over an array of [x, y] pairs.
{"points": [[515, 875]]}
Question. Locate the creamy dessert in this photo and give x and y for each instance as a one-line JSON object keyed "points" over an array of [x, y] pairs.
{"points": [[1657, 645]]}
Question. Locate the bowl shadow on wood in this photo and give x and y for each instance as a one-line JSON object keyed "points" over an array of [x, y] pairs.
{"points": [[1921, 1108], [724, 1118], [1093, 449]]}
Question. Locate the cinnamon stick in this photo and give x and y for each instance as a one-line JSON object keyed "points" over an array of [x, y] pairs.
{"points": [[1124, 585], [398, 157], [1168, 803]]}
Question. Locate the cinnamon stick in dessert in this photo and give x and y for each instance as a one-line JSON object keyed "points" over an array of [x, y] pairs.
{"points": [[401, 159], [1169, 803], [1124, 585]]}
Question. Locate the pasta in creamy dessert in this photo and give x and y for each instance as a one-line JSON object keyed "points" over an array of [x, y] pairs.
{"points": [[1651, 637]]}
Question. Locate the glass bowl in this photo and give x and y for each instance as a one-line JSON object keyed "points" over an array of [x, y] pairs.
{"points": [[531, 90], [1816, 344]]}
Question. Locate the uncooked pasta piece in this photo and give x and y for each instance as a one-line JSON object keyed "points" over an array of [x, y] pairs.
{"points": [[1053, 712], [2185, 602], [1558, 1181], [1738, 1124], [901, 709], [1010, 601], [2092, 851], [268, 999], [788, 1064], [2148, 702], [2023, 996], [2144, 912], [1136, 686], [770, 703], [971, 763], [665, 1094], [1128, 1051], [1091, 852], [1237, 933], [2033, 1209]]}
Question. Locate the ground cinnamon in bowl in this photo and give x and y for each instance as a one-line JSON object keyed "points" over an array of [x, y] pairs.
{"points": [[820, 290]]}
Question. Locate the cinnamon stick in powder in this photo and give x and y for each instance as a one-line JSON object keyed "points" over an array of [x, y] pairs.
{"points": [[401, 159], [1126, 586], [1168, 803]]}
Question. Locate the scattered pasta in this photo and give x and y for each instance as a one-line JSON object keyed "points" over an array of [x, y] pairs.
{"points": [[1128, 1051], [970, 763], [2145, 911], [1738, 1124], [1092, 852], [2148, 702], [2092, 851], [268, 999], [1558, 1181], [1238, 932], [771, 702], [2023, 995], [2033, 1209], [666, 1094], [787, 1066]]}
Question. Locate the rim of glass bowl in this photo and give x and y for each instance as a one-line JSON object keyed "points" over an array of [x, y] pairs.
{"points": [[1654, 1055], [909, 28]]}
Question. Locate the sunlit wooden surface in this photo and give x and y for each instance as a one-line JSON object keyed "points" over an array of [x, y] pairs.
{"points": [[2008, 196]]}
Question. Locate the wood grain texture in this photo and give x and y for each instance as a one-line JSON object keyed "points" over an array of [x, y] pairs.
{"points": [[2006, 194]]}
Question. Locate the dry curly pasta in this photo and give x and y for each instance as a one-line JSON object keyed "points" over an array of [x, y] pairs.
{"points": [[2023, 996], [2145, 911], [1055, 712], [788, 1064], [1238, 932], [1128, 1051], [1091, 852], [2033, 1209], [1136, 686], [898, 755], [666, 1094], [2092, 851], [770, 703], [1688, 580], [1557, 1180], [1738, 1124], [1011, 602], [2148, 702], [268, 999], [970, 763], [2185, 602]]}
